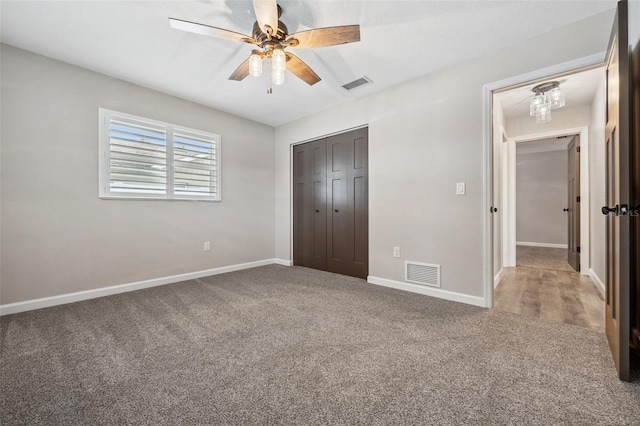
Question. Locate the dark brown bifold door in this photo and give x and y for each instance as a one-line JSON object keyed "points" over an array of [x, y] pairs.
{"points": [[310, 204], [573, 191], [347, 204], [618, 193], [330, 204]]}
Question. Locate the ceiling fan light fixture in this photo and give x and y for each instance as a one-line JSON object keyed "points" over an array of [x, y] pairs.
{"points": [[278, 60], [255, 65], [277, 77]]}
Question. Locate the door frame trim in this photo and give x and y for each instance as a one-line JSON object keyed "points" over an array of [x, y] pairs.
{"points": [[509, 214], [597, 59]]}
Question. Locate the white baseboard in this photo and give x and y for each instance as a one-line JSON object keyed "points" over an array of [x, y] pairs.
{"points": [[46, 302], [597, 281], [283, 262], [525, 243], [497, 278], [427, 291]]}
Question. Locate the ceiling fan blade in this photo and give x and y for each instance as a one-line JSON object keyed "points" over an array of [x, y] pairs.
{"points": [[322, 37], [266, 13], [241, 72], [207, 30], [301, 70]]}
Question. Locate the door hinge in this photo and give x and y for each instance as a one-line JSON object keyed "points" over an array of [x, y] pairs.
{"points": [[578, 150], [578, 199], [578, 249]]}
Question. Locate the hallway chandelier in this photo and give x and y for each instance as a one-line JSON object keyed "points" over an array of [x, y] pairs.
{"points": [[547, 96]]}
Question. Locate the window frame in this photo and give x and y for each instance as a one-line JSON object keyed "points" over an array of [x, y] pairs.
{"points": [[104, 159]]}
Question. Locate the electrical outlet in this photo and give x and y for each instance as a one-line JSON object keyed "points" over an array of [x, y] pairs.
{"points": [[207, 245], [396, 252]]}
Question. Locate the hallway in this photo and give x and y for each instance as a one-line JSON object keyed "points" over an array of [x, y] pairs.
{"points": [[551, 295]]}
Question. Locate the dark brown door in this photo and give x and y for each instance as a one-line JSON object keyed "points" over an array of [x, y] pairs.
{"points": [[310, 205], [634, 31], [347, 206], [618, 191], [573, 191], [330, 204]]}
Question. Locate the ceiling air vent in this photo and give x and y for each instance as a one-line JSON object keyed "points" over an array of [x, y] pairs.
{"points": [[357, 83], [422, 273]]}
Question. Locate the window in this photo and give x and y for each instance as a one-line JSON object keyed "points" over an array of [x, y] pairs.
{"points": [[147, 159]]}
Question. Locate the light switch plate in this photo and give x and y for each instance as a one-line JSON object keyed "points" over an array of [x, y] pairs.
{"points": [[460, 188]]}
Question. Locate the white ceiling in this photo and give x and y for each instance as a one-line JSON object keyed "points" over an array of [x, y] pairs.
{"points": [[401, 40], [579, 89]]}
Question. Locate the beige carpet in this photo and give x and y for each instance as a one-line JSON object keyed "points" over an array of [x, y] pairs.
{"points": [[543, 257], [278, 345]]}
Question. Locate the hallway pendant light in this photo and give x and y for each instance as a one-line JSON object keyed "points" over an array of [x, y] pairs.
{"points": [[544, 114], [556, 98], [547, 96]]}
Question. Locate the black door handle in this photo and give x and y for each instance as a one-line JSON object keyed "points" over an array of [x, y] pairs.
{"points": [[493, 209], [565, 210], [621, 210], [336, 210], [317, 211]]}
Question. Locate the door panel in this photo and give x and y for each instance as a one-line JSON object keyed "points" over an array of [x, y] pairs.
{"points": [[360, 249], [573, 191], [618, 185], [337, 209], [359, 200], [309, 195]]}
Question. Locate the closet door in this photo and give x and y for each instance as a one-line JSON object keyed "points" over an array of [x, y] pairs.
{"points": [[309, 197], [347, 204]]}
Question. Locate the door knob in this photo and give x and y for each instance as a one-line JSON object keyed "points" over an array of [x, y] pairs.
{"points": [[317, 211], [493, 209], [621, 210], [336, 210], [565, 210]]}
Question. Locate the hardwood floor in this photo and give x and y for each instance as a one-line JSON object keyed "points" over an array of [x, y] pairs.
{"points": [[551, 295], [543, 257]]}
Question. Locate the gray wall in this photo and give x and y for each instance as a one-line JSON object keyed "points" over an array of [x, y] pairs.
{"points": [[424, 136], [541, 194], [59, 237]]}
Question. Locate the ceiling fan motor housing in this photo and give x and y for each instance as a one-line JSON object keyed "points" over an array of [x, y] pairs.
{"points": [[262, 38]]}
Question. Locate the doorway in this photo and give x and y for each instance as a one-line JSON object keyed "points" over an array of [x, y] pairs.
{"points": [[547, 212], [544, 194]]}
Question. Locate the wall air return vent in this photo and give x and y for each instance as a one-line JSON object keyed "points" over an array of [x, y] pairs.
{"points": [[426, 274], [357, 83]]}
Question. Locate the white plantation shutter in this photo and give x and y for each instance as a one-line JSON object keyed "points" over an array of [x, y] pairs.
{"points": [[194, 164], [137, 158], [141, 158]]}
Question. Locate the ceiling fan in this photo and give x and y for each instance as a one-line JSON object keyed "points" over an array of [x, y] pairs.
{"points": [[272, 37]]}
